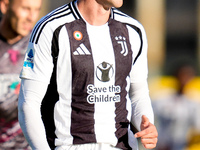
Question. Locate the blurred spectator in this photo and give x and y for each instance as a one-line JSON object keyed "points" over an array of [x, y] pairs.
{"points": [[0, 15], [17, 20], [176, 114]]}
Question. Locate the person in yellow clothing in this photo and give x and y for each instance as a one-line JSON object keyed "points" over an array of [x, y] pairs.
{"points": [[177, 114]]}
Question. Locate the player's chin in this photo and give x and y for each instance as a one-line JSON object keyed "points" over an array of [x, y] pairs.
{"points": [[24, 33], [118, 4]]}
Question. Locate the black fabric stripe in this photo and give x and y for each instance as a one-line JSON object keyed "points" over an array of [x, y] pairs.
{"points": [[51, 96], [134, 27], [55, 45], [123, 68], [141, 46], [117, 12], [72, 11], [37, 27], [112, 13], [82, 116], [75, 9], [120, 14]]}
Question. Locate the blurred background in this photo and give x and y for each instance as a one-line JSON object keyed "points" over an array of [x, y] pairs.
{"points": [[173, 32]]}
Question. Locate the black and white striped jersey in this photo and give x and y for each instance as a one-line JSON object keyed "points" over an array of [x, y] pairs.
{"points": [[89, 70]]}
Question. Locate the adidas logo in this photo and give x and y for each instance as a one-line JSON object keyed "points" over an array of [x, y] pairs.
{"points": [[82, 50]]}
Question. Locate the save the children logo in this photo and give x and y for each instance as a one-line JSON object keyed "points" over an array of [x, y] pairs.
{"points": [[104, 72], [103, 94]]}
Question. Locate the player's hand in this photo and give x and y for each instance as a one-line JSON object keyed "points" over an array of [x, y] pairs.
{"points": [[148, 134]]}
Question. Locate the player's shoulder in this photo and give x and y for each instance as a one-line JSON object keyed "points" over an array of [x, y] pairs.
{"points": [[125, 18], [50, 22]]}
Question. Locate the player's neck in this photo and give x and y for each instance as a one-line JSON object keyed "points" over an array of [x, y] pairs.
{"points": [[6, 32], [94, 13]]}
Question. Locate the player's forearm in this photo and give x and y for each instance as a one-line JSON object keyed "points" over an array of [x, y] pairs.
{"points": [[141, 103], [29, 114]]}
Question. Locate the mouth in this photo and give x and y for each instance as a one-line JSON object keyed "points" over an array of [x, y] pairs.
{"points": [[24, 29], [27, 27]]}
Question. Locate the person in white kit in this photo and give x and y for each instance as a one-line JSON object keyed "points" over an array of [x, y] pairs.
{"points": [[84, 80]]}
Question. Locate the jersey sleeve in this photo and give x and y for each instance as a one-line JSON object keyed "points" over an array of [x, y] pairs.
{"points": [[36, 73], [138, 39], [38, 62], [29, 115], [139, 92]]}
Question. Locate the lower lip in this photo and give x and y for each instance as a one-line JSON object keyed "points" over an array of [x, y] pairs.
{"points": [[27, 28]]}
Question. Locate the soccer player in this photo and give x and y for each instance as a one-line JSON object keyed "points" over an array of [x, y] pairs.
{"points": [[84, 80], [17, 21]]}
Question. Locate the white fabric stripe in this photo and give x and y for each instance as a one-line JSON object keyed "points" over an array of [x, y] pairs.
{"points": [[132, 141], [101, 44], [89, 146], [128, 104], [74, 9], [63, 106]]}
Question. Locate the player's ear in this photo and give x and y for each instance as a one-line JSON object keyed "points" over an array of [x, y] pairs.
{"points": [[4, 6]]}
